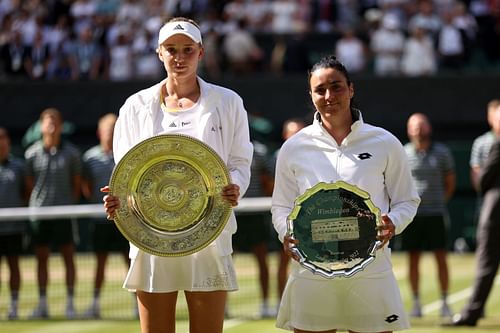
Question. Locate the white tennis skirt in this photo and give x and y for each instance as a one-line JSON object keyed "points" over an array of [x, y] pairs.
{"points": [[205, 270], [360, 303]]}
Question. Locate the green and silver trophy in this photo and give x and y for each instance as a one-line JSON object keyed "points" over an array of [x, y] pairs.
{"points": [[169, 188], [336, 226]]}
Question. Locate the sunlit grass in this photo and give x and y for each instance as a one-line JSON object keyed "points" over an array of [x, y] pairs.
{"points": [[117, 305]]}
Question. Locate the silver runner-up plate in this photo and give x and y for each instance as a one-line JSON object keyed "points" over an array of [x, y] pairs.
{"points": [[336, 226], [170, 188]]}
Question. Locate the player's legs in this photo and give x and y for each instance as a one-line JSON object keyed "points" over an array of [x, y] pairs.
{"points": [[42, 253], [15, 273], [260, 252], [68, 254], [442, 266], [414, 275], [157, 312], [206, 311], [414, 271], [102, 258]]}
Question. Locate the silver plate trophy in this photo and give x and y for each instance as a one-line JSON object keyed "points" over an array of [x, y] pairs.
{"points": [[336, 226]]}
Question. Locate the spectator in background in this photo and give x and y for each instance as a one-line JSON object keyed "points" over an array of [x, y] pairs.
{"points": [[482, 144], [387, 44], [488, 247], [12, 194], [234, 11], [13, 54], [433, 170], [419, 56], [347, 14], [258, 15], [241, 50], [98, 165], [37, 58], [121, 58], [284, 16], [426, 18], [465, 21], [53, 178], [351, 51], [81, 12], [146, 62], [85, 57], [130, 12], [211, 63], [451, 44], [479, 152], [323, 15]]}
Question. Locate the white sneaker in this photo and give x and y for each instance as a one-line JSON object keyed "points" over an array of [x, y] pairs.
{"points": [[70, 311], [416, 311], [93, 312], [40, 312], [266, 311], [445, 310]]}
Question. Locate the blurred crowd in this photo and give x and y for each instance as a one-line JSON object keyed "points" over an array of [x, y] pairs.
{"points": [[115, 39]]}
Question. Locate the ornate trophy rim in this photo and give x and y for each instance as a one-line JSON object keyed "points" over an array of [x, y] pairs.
{"points": [[169, 187], [303, 258]]}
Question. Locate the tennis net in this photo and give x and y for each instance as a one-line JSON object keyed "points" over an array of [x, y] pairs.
{"points": [[116, 302]]}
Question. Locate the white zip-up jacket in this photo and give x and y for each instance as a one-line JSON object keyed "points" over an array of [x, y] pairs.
{"points": [[369, 157], [223, 125]]}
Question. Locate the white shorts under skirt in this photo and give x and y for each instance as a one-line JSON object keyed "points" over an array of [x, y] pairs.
{"points": [[201, 271], [367, 304]]}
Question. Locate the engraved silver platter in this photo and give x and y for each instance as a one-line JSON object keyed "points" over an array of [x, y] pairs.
{"points": [[336, 226], [169, 188]]}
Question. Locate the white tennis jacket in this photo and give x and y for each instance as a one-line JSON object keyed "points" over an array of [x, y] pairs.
{"points": [[223, 126], [369, 157]]}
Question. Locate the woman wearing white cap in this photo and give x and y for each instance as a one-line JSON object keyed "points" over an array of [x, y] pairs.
{"points": [[185, 104]]}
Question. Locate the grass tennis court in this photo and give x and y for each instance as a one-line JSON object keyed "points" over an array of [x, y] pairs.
{"points": [[117, 305]]}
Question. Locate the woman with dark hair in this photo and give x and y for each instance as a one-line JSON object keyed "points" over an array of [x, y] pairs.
{"points": [[344, 148]]}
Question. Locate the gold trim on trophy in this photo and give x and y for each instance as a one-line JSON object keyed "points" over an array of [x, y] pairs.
{"points": [[169, 188]]}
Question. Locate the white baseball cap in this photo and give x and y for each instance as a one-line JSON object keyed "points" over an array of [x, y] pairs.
{"points": [[179, 27]]}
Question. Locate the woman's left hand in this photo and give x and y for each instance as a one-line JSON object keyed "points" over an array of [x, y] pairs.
{"points": [[385, 231], [231, 193]]}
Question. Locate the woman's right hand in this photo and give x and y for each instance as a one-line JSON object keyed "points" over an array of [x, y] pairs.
{"points": [[288, 244], [111, 203]]}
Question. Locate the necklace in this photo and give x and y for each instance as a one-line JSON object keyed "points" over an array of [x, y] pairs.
{"points": [[179, 103], [164, 106]]}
